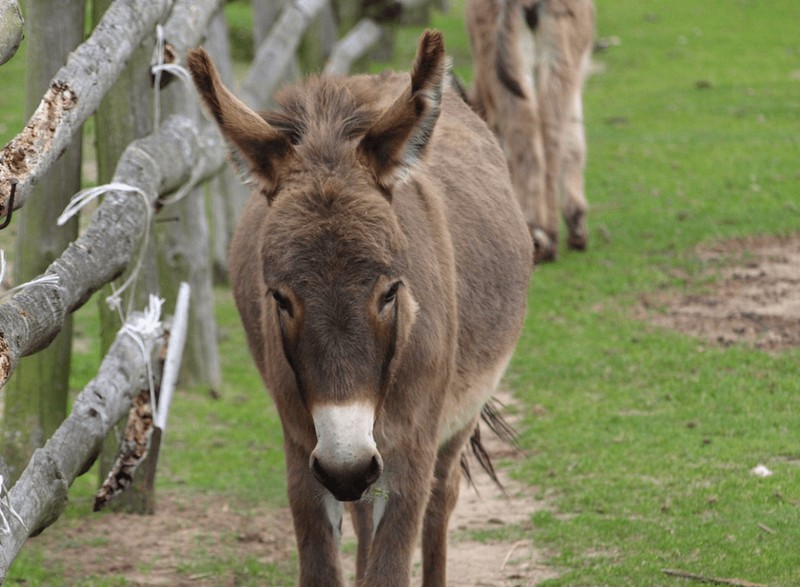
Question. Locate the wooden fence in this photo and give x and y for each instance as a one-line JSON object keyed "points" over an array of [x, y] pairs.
{"points": [[184, 151]]}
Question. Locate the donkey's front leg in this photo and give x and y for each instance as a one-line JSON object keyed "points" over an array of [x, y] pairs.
{"points": [[317, 522], [397, 523]]}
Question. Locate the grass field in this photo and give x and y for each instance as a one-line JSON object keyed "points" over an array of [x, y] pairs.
{"points": [[642, 439]]}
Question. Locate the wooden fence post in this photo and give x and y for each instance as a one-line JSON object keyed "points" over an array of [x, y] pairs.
{"points": [[36, 401], [125, 114], [227, 194], [184, 245]]}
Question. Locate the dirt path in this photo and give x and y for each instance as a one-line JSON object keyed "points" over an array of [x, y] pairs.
{"points": [[178, 545], [753, 298]]}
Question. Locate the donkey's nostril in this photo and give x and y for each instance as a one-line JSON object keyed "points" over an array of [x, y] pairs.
{"points": [[319, 472], [374, 471]]}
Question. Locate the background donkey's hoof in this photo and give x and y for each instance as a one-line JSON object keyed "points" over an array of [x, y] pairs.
{"points": [[577, 242], [545, 247], [578, 233]]}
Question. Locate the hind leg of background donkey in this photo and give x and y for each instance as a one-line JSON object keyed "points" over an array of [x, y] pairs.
{"points": [[565, 38], [573, 163], [444, 495]]}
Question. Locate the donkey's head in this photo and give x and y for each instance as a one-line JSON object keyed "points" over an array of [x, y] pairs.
{"points": [[332, 251]]}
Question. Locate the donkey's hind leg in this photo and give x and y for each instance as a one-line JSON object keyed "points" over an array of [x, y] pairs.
{"points": [[573, 202], [317, 523], [444, 495], [361, 513]]}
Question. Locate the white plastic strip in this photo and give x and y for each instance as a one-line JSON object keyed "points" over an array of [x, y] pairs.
{"points": [[177, 70], [83, 197], [172, 364], [49, 280], [143, 326], [5, 503]]}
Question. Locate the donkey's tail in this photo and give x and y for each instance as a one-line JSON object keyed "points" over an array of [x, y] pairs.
{"points": [[491, 416]]}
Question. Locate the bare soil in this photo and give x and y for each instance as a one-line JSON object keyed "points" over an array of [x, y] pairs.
{"points": [[164, 549], [747, 293]]}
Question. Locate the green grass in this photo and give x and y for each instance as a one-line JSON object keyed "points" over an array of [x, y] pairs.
{"points": [[646, 438]]}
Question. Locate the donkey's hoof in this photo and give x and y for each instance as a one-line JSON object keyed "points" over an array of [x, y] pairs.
{"points": [[545, 248], [577, 242], [578, 232]]}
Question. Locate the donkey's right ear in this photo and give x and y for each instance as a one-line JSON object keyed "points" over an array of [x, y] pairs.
{"points": [[266, 150]]}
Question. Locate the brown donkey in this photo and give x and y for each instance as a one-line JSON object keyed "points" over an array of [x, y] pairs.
{"points": [[530, 59], [381, 272]]}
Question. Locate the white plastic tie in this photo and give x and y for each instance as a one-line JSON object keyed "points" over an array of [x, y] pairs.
{"points": [[48, 280], [146, 326], [81, 199], [5, 503], [157, 67], [178, 71]]}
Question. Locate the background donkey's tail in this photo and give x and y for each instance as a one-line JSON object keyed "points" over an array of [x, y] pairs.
{"points": [[493, 418]]}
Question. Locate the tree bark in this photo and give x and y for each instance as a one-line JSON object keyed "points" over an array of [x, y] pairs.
{"points": [[40, 495], [158, 163], [74, 93], [36, 402], [11, 29]]}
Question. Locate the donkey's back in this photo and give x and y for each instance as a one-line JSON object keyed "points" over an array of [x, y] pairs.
{"points": [[381, 272]]}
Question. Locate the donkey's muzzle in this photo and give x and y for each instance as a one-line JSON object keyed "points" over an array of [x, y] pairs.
{"points": [[348, 483]]}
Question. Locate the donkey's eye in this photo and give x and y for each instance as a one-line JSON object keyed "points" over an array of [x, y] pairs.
{"points": [[390, 295], [284, 305]]}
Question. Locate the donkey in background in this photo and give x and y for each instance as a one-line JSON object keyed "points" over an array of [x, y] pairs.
{"points": [[381, 271], [530, 59]]}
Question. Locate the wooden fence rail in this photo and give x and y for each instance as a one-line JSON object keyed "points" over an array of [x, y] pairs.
{"points": [[40, 494]]}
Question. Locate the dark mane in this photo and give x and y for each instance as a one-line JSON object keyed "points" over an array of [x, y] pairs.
{"points": [[323, 113]]}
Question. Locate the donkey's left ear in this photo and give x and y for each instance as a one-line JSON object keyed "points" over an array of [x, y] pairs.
{"points": [[399, 137], [266, 150]]}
